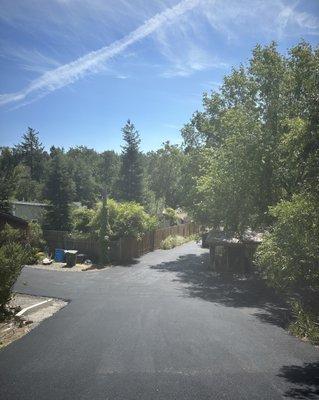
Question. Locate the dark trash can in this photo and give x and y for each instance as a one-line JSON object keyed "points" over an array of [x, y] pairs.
{"points": [[70, 257]]}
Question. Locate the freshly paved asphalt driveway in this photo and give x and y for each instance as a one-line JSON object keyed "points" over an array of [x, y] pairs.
{"points": [[163, 328]]}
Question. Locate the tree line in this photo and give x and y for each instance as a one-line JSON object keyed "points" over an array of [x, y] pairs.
{"points": [[80, 174]]}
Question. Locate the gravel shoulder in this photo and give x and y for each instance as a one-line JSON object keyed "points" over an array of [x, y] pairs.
{"points": [[58, 266], [15, 327]]}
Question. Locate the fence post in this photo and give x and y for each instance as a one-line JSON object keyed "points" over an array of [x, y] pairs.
{"points": [[120, 249]]}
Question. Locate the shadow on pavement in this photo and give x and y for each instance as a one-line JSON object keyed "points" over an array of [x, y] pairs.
{"points": [[199, 281], [305, 380]]}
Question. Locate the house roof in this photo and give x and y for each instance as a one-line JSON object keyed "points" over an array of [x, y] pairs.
{"points": [[9, 217], [29, 203]]}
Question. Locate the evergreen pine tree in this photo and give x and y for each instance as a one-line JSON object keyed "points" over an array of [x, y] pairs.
{"points": [[31, 153], [131, 185], [59, 189]]}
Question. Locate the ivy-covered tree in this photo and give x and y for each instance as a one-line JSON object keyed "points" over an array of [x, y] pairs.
{"points": [[131, 180], [58, 190]]}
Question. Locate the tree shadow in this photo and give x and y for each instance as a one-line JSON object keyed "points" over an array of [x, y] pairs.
{"points": [[305, 380], [232, 291]]}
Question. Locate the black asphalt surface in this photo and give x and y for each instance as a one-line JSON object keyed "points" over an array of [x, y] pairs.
{"points": [[163, 328]]}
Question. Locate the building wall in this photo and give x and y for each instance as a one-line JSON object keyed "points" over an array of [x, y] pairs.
{"points": [[29, 211]]}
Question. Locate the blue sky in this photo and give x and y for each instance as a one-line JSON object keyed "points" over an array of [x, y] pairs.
{"points": [[76, 70]]}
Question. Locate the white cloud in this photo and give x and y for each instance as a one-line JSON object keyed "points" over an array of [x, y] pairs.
{"points": [[28, 59], [187, 46], [290, 17], [94, 61], [271, 19], [186, 57]]}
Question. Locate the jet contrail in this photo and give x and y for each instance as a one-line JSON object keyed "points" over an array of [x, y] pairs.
{"points": [[94, 61]]}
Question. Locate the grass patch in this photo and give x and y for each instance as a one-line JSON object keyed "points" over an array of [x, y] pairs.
{"points": [[175, 240]]}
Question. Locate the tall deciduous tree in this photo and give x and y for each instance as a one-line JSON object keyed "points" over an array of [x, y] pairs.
{"points": [[131, 185], [108, 172], [83, 166], [164, 173], [256, 139], [58, 189]]}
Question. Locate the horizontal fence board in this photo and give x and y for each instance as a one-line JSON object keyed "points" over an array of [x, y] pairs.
{"points": [[121, 250]]}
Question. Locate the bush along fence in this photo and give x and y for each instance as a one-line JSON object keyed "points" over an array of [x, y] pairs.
{"points": [[121, 250]]}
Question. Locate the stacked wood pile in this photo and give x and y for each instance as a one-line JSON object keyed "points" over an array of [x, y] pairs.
{"points": [[232, 254]]}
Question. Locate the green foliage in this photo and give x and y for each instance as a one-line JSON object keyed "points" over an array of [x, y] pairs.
{"points": [[31, 152], [12, 258], [108, 172], [305, 324], [35, 236], [130, 219], [256, 142], [82, 218], [288, 256], [171, 216], [175, 240], [131, 183], [172, 241], [152, 204], [11, 235], [32, 240], [7, 178], [125, 219], [17, 248], [59, 189], [252, 162], [164, 171], [83, 166], [26, 188]]}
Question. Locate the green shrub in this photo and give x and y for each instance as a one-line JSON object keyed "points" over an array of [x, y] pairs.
{"points": [[82, 218], [171, 216], [172, 241], [11, 235], [31, 239], [35, 236], [305, 324], [288, 259], [17, 248], [12, 258], [126, 219], [288, 256]]}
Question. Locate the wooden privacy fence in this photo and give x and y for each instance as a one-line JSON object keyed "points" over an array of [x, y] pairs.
{"points": [[62, 240], [121, 250]]}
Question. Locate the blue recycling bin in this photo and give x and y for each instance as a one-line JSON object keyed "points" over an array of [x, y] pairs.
{"points": [[59, 255]]}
